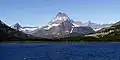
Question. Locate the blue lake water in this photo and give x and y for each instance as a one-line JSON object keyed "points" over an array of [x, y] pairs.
{"points": [[95, 51]]}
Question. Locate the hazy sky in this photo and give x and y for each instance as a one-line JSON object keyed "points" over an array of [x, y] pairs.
{"points": [[40, 12]]}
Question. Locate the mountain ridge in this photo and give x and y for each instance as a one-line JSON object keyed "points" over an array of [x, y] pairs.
{"points": [[60, 27], [7, 33]]}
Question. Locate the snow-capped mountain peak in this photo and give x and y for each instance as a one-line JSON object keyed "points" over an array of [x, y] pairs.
{"points": [[59, 20], [61, 26], [27, 30], [61, 17], [16, 26]]}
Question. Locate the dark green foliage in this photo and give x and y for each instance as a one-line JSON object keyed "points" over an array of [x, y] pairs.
{"points": [[79, 38], [7, 33], [112, 36]]}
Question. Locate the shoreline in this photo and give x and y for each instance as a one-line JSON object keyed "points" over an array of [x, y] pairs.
{"points": [[51, 42]]}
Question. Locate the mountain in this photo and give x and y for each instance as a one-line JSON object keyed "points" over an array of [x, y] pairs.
{"points": [[61, 26], [7, 33], [111, 33], [77, 23], [26, 30], [16, 26], [117, 23], [94, 26]]}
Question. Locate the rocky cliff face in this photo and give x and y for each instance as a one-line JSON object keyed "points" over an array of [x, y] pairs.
{"points": [[16, 26], [26, 30], [7, 33], [61, 26]]}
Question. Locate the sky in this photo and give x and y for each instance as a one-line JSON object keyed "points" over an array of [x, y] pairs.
{"points": [[40, 12]]}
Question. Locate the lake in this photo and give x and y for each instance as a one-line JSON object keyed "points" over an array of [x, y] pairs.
{"points": [[91, 51]]}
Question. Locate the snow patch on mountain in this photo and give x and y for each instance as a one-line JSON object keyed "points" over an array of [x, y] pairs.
{"points": [[27, 30], [61, 17], [16, 26], [60, 27], [76, 25], [50, 26]]}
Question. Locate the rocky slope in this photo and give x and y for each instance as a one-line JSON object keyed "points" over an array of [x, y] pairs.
{"points": [[111, 33], [61, 26], [26, 30], [7, 33], [94, 26]]}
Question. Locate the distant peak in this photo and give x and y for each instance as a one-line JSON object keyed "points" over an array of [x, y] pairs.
{"points": [[89, 21], [61, 17], [60, 14], [16, 23], [16, 26]]}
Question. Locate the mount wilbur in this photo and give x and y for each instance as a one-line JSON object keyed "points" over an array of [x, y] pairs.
{"points": [[61, 27]]}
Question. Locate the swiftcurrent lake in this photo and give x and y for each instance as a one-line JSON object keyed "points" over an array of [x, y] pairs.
{"points": [[91, 51]]}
